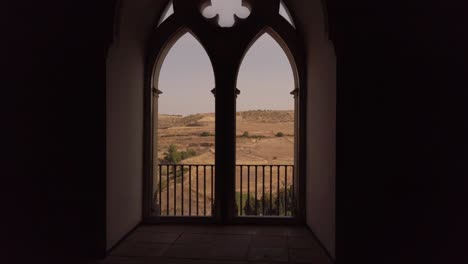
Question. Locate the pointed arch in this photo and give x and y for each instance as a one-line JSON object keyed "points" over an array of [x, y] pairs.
{"points": [[276, 70], [284, 12], [186, 72], [168, 11], [290, 54], [159, 59]]}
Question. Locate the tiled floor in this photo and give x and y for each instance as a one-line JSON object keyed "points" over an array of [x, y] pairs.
{"points": [[188, 244]]}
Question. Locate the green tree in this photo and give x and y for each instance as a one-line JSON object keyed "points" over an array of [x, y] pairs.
{"points": [[172, 155]]}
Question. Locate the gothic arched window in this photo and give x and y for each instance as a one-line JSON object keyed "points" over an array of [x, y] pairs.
{"points": [[220, 189]]}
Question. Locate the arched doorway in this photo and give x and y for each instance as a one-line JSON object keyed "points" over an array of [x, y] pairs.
{"points": [[226, 32]]}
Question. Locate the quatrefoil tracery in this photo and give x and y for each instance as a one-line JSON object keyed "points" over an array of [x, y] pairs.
{"points": [[225, 11]]}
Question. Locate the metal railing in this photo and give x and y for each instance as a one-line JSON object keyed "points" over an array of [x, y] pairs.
{"points": [[265, 190], [188, 190]]}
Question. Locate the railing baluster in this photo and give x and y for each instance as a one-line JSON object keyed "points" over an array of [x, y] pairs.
{"points": [[248, 188], [240, 195], [293, 192], [160, 189], [271, 189], [263, 194], [285, 190], [204, 190], [256, 191], [167, 184], [197, 190], [190, 191], [278, 188], [175, 190], [212, 190], [182, 190]]}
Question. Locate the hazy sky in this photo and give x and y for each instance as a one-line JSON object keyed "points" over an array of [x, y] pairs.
{"points": [[186, 79]]}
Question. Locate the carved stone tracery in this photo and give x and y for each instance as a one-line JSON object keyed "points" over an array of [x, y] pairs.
{"points": [[225, 17]]}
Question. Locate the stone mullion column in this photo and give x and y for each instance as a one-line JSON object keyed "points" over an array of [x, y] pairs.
{"points": [[225, 94], [297, 116], [155, 162]]}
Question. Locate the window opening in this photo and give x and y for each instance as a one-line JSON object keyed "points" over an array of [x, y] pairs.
{"points": [[185, 137], [265, 136]]}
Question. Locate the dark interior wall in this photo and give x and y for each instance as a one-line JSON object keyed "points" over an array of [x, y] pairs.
{"points": [[53, 129], [124, 116], [401, 136], [321, 120]]}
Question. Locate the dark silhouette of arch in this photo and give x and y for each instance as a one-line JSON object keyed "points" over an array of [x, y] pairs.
{"points": [[284, 12]]}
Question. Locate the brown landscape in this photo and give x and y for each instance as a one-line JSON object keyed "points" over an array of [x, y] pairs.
{"points": [[263, 137]]}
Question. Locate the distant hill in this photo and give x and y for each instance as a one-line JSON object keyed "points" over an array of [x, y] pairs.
{"points": [[267, 116], [263, 116]]}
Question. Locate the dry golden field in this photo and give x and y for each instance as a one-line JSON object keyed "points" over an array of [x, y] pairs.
{"points": [[262, 146]]}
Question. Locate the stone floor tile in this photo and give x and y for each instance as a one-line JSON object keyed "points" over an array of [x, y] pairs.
{"points": [[302, 242], [162, 260], [230, 252], [128, 249], [299, 231], [313, 256], [132, 260], [121, 260], [207, 252], [153, 237], [268, 254], [228, 229], [217, 239], [188, 251], [271, 230], [163, 228], [195, 261], [269, 241], [191, 238]]}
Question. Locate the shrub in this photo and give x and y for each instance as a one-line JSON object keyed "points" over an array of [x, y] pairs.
{"points": [[257, 136], [205, 134], [173, 156], [280, 134], [187, 154], [246, 134], [275, 200], [249, 206]]}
